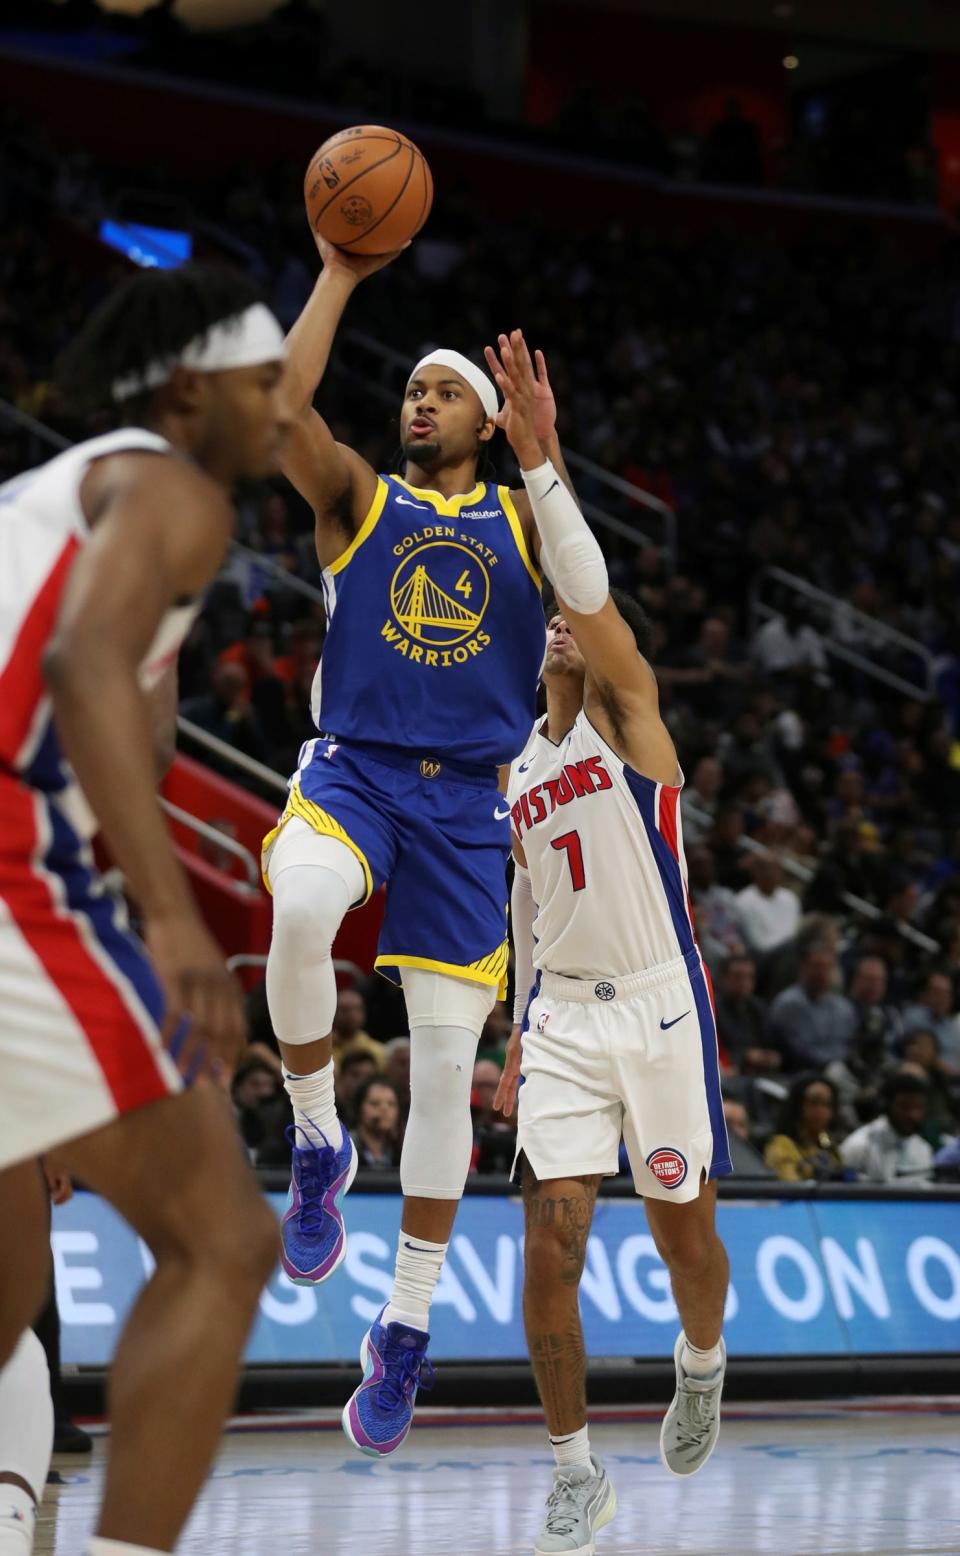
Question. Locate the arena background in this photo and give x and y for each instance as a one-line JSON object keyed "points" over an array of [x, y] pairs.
{"points": [[734, 236]]}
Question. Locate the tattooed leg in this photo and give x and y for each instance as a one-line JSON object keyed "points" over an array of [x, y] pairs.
{"points": [[557, 1214]]}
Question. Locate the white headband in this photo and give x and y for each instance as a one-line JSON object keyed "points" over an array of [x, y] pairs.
{"points": [[468, 371], [245, 340]]}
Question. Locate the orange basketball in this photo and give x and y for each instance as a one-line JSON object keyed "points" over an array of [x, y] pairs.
{"points": [[368, 190]]}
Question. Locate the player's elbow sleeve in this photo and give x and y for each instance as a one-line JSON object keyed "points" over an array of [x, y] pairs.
{"points": [[571, 556], [578, 572]]}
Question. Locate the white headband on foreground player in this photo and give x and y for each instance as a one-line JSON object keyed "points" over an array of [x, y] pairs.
{"points": [[468, 371], [245, 340]]}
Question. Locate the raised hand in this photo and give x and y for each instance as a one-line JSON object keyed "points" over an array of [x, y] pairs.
{"points": [[545, 405], [357, 266], [522, 393]]}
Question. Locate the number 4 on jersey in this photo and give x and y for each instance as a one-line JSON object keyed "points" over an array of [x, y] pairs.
{"points": [[569, 844], [463, 585]]}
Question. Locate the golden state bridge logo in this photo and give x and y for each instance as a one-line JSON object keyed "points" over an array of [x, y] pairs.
{"points": [[438, 597]]}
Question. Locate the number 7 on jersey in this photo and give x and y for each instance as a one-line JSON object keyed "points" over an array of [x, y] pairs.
{"points": [[569, 844]]}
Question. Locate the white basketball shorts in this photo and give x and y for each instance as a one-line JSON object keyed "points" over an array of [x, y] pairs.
{"points": [[632, 1057], [81, 1008]]}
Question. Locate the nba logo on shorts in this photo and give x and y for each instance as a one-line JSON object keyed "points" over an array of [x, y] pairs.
{"points": [[542, 1022], [668, 1166]]}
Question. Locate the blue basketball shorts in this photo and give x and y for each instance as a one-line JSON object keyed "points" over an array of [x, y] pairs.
{"points": [[436, 834]]}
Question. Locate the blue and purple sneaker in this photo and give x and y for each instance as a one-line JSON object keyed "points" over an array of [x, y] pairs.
{"points": [[379, 1414], [313, 1239]]}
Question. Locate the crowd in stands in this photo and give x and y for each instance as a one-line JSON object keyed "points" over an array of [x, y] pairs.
{"points": [[794, 407]]}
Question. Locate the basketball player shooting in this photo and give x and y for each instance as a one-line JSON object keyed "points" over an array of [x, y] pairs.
{"points": [[104, 554], [618, 1035], [427, 686]]}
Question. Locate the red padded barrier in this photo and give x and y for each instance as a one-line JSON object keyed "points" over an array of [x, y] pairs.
{"points": [[239, 918]]}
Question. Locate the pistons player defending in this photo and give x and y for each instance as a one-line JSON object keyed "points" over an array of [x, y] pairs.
{"points": [[618, 1037], [105, 553]]}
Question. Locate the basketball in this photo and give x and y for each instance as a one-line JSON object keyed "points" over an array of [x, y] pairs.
{"points": [[368, 190]]}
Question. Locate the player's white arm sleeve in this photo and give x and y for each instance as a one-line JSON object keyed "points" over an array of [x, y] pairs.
{"points": [[522, 914], [572, 559]]}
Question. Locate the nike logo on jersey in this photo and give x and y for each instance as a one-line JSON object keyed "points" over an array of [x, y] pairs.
{"points": [[502, 815], [524, 765], [666, 1025], [407, 503]]}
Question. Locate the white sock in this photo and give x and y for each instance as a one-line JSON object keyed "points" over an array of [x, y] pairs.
{"points": [[573, 1451], [314, 1107], [700, 1364], [98, 1546], [18, 1516], [416, 1273], [26, 1416]]}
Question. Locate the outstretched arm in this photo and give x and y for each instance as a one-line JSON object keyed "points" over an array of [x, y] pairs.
{"points": [[544, 403], [336, 482], [568, 549], [545, 422], [624, 683]]}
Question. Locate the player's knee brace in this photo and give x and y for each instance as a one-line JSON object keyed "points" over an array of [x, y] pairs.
{"points": [[309, 902], [437, 1000], [446, 1018]]}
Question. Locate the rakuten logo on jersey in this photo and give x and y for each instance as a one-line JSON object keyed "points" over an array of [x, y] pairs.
{"points": [[576, 781]]}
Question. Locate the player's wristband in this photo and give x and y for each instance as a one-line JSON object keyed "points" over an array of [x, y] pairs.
{"points": [[571, 557]]}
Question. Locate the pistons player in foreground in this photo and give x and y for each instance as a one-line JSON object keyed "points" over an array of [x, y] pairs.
{"points": [[618, 1037], [104, 556]]}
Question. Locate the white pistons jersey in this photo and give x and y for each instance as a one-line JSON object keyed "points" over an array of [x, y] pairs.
{"points": [[605, 854], [82, 1010], [42, 527], [619, 1038]]}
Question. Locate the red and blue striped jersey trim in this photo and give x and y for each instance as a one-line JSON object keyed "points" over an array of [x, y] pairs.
{"points": [[657, 804]]}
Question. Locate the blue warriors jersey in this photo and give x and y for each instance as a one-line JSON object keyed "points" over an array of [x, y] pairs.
{"points": [[435, 637]]}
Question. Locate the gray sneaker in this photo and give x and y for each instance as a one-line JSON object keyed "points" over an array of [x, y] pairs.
{"points": [[691, 1426], [581, 1502]]}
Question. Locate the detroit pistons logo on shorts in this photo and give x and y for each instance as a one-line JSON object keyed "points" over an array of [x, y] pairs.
{"points": [[668, 1166]]}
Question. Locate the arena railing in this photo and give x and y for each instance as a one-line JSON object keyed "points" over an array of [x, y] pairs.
{"points": [[801, 872], [48, 438], [396, 369], [839, 615], [213, 835], [227, 753]]}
